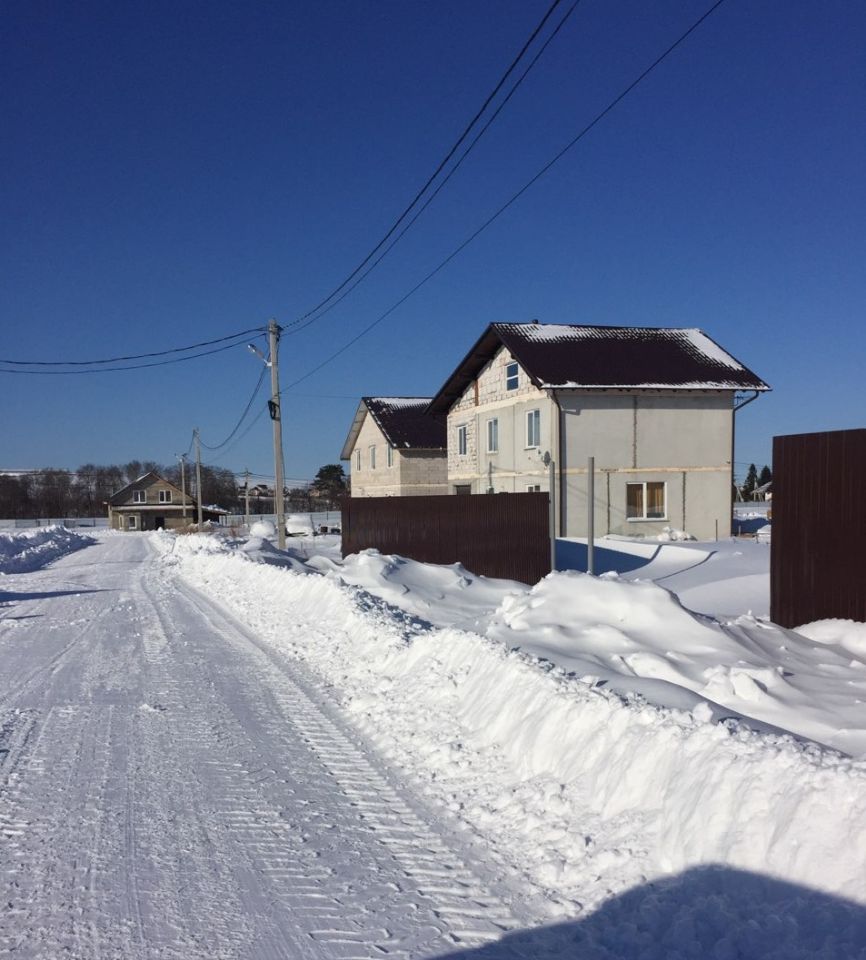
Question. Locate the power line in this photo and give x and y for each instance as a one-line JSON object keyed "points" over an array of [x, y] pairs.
{"points": [[437, 171], [134, 366], [299, 325], [243, 416], [139, 356], [513, 199]]}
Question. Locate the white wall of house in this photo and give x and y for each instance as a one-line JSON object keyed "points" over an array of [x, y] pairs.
{"points": [[409, 473], [679, 440], [515, 465]]}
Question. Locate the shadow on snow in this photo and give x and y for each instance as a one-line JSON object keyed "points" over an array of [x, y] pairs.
{"points": [[710, 912]]}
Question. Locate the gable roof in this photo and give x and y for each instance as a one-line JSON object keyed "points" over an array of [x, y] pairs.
{"points": [[151, 476], [560, 356], [404, 422]]}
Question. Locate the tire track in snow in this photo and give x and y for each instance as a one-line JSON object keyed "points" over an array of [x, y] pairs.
{"points": [[400, 889]]}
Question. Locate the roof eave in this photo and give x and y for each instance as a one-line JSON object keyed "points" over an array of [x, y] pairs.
{"points": [[354, 430]]}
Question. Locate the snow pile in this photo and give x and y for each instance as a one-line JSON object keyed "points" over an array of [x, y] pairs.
{"points": [[586, 792], [28, 550], [447, 595], [298, 524], [263, 530], [672, 534], [637, 637], [845, 635]]}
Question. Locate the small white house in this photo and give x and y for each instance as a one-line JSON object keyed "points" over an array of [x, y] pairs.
{"points": [[653, 407], [396, 449]]}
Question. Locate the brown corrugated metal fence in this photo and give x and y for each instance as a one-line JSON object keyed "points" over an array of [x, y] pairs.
{"points": [[817, 565], [496, 535]]}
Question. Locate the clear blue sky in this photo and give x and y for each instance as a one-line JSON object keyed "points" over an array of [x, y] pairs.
{"points": [[174, 173]]}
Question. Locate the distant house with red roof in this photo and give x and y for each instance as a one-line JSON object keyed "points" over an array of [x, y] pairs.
{"points": [[396, 448]]}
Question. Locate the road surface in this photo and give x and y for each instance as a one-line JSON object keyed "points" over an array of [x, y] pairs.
{"points": [[171, 788]]}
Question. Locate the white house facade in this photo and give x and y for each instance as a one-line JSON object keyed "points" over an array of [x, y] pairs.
{"points": [[653, 407]]}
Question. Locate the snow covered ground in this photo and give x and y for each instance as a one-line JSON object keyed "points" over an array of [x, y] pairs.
{"points": [[586, 768]]}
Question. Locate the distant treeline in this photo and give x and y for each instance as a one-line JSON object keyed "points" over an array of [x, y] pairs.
{"points": [[53, 493]]}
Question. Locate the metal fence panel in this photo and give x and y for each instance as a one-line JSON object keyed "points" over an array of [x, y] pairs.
{"points": [[817, 565], [496, 535]]}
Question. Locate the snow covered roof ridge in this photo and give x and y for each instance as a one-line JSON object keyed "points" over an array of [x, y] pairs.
{"points": [[574, 356]]}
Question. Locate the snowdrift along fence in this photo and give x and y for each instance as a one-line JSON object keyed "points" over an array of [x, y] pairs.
{"points": [[502, 535], [819, 527]]}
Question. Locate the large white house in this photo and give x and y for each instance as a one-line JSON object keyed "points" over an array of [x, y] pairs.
{"points": [[396, 449], [653, 407]]}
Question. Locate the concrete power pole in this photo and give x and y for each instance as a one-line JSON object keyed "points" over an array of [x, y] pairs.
{"points": [[198, 475], [182, 459], [276, 416], [247, 500]]}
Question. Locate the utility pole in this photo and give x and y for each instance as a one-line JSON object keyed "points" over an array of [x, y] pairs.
{"points": [[276, 416], [247, 499], [182, 459], [198, 475]]}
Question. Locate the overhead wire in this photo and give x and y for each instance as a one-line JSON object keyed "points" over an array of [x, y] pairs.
{"points": [[491, 96], [299, 325], [133, 366], [243, 416], [138, 356], [513, 199]]}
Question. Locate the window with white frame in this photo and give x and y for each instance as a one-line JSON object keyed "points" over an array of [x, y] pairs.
{"points": [[357, 459], [390, 455], [372, 456], [132, 522], [139, 496], [646, 501], [533, 488], [512, 377], [533, 428], [462, 440], [493, 435], [165, 496]]}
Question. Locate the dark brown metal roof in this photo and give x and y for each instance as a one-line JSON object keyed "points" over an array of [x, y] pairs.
{"points": [[560, 356], [405, 422]]}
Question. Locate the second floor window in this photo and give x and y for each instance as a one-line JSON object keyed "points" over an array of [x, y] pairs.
{"points": [[493, 435], [139, 496], [165, 496], [462, 440], [372, 458], [357, 459], [533, 428], [390, 455]]}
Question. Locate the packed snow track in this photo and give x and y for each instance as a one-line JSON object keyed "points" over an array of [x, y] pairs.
{"points": [[171, 788]]}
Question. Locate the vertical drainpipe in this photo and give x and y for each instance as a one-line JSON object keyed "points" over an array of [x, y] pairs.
{"points": [[557, 447]]}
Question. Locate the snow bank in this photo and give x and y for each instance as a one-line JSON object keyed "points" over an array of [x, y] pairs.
{"points": [[637, 637], [31, 549], [587, 792]]}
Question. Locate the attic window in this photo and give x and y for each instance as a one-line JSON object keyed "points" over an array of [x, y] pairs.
{"points": [[139, 496], [165, 496], [511, 377]]}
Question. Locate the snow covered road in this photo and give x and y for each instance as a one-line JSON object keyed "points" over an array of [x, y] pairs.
{"points": [[171, 788]]}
